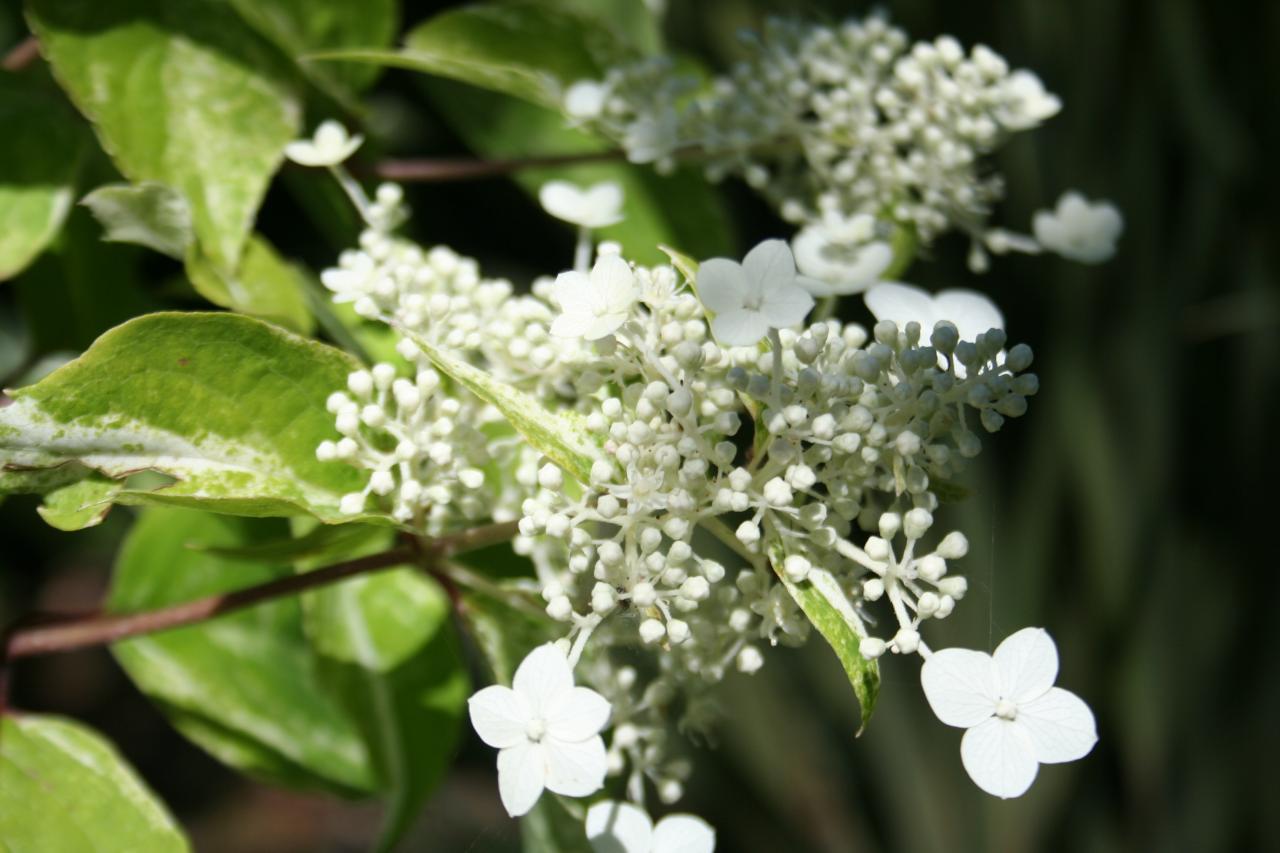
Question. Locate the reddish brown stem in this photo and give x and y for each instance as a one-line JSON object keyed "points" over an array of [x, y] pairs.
{"points": [[460, 169], [102, 630], [23, 54]]}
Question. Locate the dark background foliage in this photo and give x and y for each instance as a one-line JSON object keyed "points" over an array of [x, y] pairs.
{"points": [[1127, 513]]}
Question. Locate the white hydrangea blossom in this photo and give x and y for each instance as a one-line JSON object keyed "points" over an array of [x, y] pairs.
{"points": [[1015, 718], [614, 827], [1080, 230], [546, 729], [740, 450], [596, 206], [330, 145]]}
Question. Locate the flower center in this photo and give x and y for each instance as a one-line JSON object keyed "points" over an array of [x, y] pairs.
{"points": [[1006, 710], [753, 303], [536, 729]]}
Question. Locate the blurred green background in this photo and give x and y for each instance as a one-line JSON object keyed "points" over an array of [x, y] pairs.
{"points": [[1127, 513]]}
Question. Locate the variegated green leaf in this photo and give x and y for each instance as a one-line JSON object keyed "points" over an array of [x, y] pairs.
{"points": [[229, 407], [245, 686], [829, 609], [559, 437], [182, 92], [64, 788], [148, 214]]}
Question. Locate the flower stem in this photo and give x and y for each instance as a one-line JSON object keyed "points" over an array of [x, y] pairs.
{"points": [[104, 629]]}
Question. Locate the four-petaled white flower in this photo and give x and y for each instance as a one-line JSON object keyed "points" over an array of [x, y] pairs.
{"points": [[841, 254], [1016, 719], [330, 145], [595, 306], [547, 731], [1027, 103], [968, 310], [761, 293], [1079, 230], [614, 827], [594, 207]]}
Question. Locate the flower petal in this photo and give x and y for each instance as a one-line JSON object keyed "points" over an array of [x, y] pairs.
{"points": [[581, 714], [787, 306], [613, 284], [543, 678], [722, 286], [970, 311], [1060, 725], [603, 204], [522, 774], [614, 827], [998, 757], [499, 715], [563, 200], [960, 685], [770, 265], [573, 291], [575, 769], [739, 327], [683, 833], [901, 303], [577, 325], [1026, 664]]}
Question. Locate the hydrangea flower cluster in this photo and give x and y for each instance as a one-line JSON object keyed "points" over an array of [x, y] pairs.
{"points": [[853, 132], [743, 454]]}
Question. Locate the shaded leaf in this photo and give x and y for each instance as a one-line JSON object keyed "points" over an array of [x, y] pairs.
{"points": [[148, 214], [63, 787], [264, 285], [828, 608], [390, 656], [680, 209], [519, 47], [41, 149], [245, 686]]}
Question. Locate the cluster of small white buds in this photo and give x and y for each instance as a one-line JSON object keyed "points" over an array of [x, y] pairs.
{"points": [[424, 456]]}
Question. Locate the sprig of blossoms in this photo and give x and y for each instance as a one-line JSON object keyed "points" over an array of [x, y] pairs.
{"points": [[744, 453]]}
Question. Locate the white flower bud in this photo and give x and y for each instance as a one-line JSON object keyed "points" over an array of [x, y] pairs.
{"points": [[796, 568], [955, 586], [749, 660], [878, 549], [670, 791], [871, 647], [916, 523], [953, 546], [651, 631], [890, 523], [677, 630], [550, 477], [327, 451], [748, 533], [383, 375], [777, 493], [472, 478], [931, 567], [906, 641], [360, 383], [382, 482], [352, 504], [696, 588], [872, 589], [740, 620], [610, 553], [560, 608], [643, 594]]}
